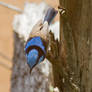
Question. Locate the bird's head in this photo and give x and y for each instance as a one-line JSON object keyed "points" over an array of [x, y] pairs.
{"points": [[32, 58]]}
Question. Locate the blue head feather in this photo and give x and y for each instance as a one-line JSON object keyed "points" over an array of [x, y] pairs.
{"points": [[33, 55], [41, 59], [32, 58], [36, 41]]}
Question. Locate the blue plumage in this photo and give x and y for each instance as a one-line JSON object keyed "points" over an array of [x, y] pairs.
{"points": [[35, 47], [32, 58], [36, 41], [35, 51]]}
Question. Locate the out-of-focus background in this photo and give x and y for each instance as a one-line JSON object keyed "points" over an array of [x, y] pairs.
{"points": [[6, 38]]}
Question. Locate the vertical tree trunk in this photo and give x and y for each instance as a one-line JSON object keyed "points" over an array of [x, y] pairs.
{"points": [[76, 24]]}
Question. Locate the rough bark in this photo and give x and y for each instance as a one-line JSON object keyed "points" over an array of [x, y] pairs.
{"points": [[22, 80], [76, 42]]}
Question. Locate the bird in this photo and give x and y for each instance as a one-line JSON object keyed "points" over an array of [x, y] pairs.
{"points": [[37, 44]]}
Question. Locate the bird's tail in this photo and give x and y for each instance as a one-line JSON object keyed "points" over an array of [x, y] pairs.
{"points": [[50, 15]]}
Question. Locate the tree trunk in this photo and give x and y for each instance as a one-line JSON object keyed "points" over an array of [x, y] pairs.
{"points": [[76, 42]]}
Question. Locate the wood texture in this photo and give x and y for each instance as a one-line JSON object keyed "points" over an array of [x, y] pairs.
{"points": [[77, 40]]}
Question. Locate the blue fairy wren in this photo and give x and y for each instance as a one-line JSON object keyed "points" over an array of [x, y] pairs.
{"points": [[36, 45]]}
